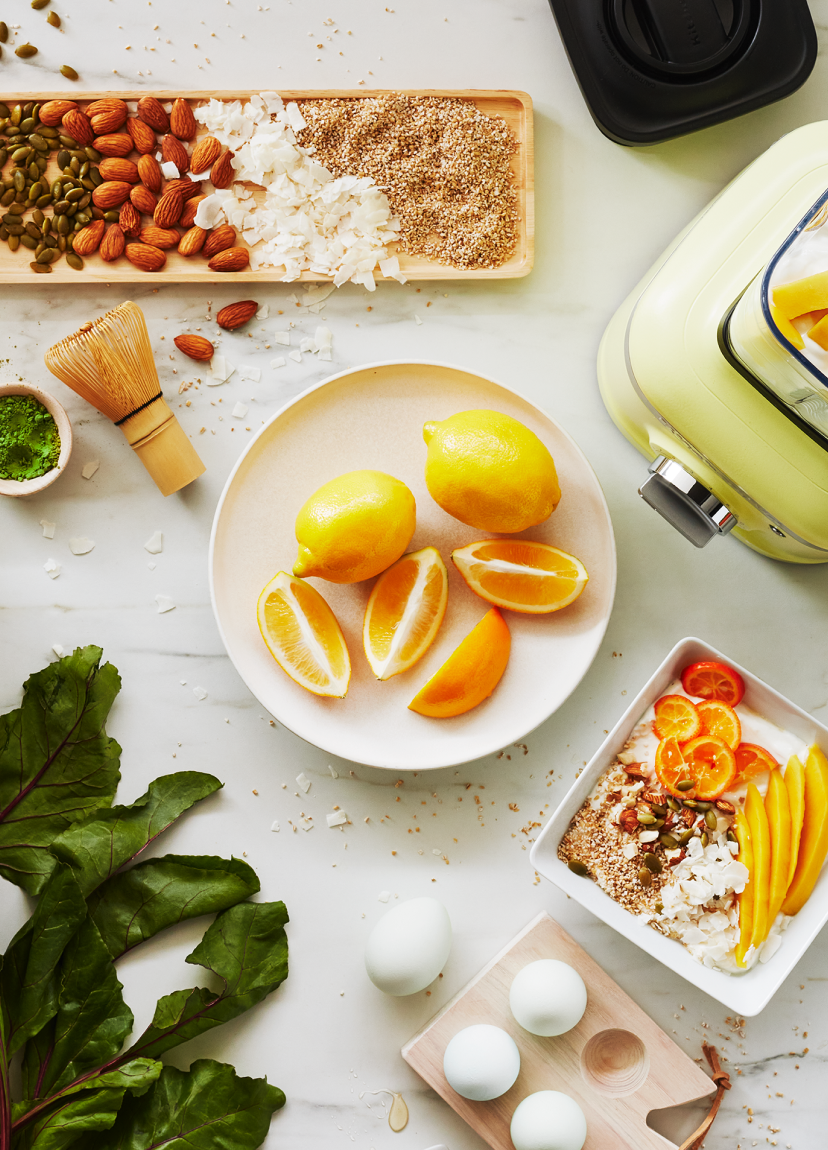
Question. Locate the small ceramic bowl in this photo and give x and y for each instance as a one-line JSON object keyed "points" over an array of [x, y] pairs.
{"points": [[30, 486]]}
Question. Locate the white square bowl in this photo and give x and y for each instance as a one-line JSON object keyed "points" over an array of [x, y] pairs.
{"points": [[747, 993]]}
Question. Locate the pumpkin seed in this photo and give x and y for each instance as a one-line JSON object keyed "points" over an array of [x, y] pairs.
{"points": [[112, 217], [68, 72], [15, 229], [668, 841], [645, 877], [21, 156], [84, 218], [27, 109], [69, 142], [74, 261], [34, 231], [659, 908], [646, 820], [74, 166], [38, 218], [705, 839], [577, 867], [14, 243], [4, 235], [93, 154], [63, 159], [44, 200], [653, 863], [7, 198], [25, 51], [53, 19], [685, 836], [61, 207], [710, 820], [28, 242], [39, 3], [88, 183], [16, 114], [50, 241], [48, 132], [85, 169], [38, 143], [17, 209], [659, 810], [4, 35], [46, 256], [63, 225], [40, 267], [74, 195], [686, 784], [36, 191], [40, 247], [85, 200], [27, 125], [61, 242]]}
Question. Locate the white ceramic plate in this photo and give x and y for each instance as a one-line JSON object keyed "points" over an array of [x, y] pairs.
{"points": [[746, 993], [372, 417]]}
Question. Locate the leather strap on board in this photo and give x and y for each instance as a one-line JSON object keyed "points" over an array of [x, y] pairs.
{"points": [[722, 1080]]}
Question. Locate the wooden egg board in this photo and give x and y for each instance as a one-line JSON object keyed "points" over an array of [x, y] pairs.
{"points": [[616, 1063], [514, 107]]}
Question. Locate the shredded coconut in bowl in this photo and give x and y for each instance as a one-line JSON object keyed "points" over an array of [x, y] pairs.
{"points": [[308, 220]]}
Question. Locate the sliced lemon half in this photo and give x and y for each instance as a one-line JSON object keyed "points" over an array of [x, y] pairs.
{"points": [[303, 636], [405, 611]]}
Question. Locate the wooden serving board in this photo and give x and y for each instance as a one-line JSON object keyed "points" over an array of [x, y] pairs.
{"points": [[616, 1063], [514, 107]]}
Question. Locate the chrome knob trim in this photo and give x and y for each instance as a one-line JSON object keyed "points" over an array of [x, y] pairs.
{"points": [[685, 503]]}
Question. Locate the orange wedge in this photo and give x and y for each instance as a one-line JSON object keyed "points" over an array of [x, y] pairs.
{"points": [[470, 673], [303, 636], [405, 611], [521, 575]]}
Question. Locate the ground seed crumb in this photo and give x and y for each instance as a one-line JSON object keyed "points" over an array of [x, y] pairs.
{"points": [[444, 165]]}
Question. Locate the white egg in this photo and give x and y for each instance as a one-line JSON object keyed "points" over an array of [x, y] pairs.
{"points": [[548, 997], [548, 1120], [481, 1062], [409, 946]]}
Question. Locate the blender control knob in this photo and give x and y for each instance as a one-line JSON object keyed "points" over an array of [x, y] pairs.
{"points": [[685, 503]]}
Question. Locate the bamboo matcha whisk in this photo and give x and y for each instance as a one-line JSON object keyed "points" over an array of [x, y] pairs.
{"points": [[109, 363]]}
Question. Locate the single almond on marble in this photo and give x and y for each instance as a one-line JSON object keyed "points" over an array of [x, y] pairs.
{"points": [[117, 168], [150, 172], [143, 200], [87, 239], [53, 111], [205, 154], [237, 314], [173, 151], [113, 243], [148, 259], [182, 120], [76, 125], [221, 173], [159, 237], [111, 194], [151, 111], [142, 135], [219, 240], [114, 144], [195, 346]]}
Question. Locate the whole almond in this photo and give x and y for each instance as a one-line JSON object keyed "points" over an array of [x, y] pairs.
{"points": [[182, 120], [236, 314], [174, 152], [106, 116], [76, 125], [113, 243], [219, 240], [53, 111], [143, 200], [116, 144], [129, 219], [115, 168], [195, 346], [111, 194], [188, 188], [163, 238], [169, 208], [230, 260], [189, 214], [150, 173], [221, 174], [192, 241], [147, 258], [151, 111], [142, 135], [88, 238], [205, 154]]}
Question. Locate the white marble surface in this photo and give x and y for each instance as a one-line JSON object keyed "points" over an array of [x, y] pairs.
{"points": [[603, 213]]}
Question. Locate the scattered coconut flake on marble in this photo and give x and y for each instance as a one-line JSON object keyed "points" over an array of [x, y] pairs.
{"points": [[240, 411], [417, 320], [220, 370], [308, 220], [274, 826], [89, 469], [307, 344], [247, 371], [155, 543], [80, 545], [165, 603], [263, 312], [282, 337], [316, 296], [52, 568], [58, 650], [169, 170], [152, 565], [334, 775], [336, 818], [279, 361], [306, 822], [48, 529], [383, 896], [200, 693], [304, 782], [436, 851], [296, 356]]}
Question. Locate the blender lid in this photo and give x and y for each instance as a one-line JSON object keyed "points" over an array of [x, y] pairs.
{"points": [[650, 70]]}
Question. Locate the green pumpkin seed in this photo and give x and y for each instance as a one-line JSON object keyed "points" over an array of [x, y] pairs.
{"points": [[731, 836], [702, 806], [691, 804], [39, 3], [28, 242], [50, 241], [75, 195], [48, 132], [113, 216], [14, 242], [93, 154], [88, 182], [645, 877], [63, 159], [685, 836], [17, 209], [710, 820], [61, 242], [7, 198], [705, 839], [53, 19], [85, 169], [27, 109], [653, 863], [21, 156], [657, 809], [667, 840], [686, 784], [25, 51], [69, 142], [4, 35], [68, 72], [36, 190], [61, 207], [27, 125], [3, 156], [658, 824], [577, 867], [44, 200], [83, 218], [659, 908], [38, 142], [40, 267], [74, 166], [16, 114], [38, 218], [46, 256], [15, 229], [74, 261], [63, 225], [33, 171], [646, 820], [85, 200], [40, 247], [34, 231], [4, 235]]}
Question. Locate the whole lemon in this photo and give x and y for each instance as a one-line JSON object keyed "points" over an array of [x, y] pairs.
{"points": [[489, 471], [354, 527]]}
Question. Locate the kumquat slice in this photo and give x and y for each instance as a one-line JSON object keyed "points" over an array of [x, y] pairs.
{"points": [[676, 716], [712, 680], [720, 719], [713, 765], [753, 760]]}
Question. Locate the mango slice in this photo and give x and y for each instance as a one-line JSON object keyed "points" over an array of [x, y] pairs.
{"points": [[742, 831], [813, 845], [778, 810], [795, 786], [761, 872], [787, 329], [819, 333], [799, 296]]}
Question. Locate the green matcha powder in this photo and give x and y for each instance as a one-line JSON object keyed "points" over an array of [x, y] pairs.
{"points": [[29, 439]]}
